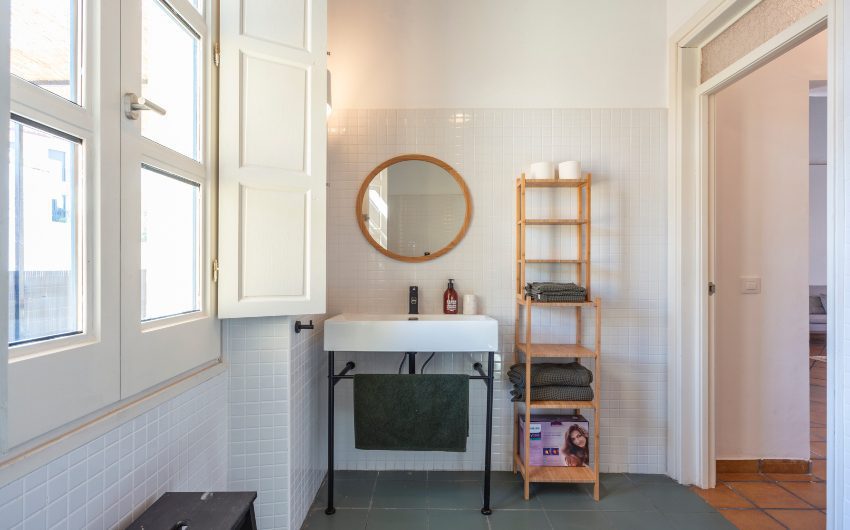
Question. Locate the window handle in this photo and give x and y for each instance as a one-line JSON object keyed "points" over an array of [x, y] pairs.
{"points": [[134, 103]]}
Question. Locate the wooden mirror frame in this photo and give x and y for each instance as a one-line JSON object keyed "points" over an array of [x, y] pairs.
{"points": [[422, 158]]}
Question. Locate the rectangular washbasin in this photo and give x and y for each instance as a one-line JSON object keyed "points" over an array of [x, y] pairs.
{"points": [[416, 333]]}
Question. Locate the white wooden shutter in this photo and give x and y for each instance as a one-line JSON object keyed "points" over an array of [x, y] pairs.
{"points": [[273, 143]]}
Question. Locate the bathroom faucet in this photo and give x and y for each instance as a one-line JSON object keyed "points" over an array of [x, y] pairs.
{"points": [[413, 301]]}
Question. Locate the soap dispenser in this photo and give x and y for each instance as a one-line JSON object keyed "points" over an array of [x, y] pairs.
{"points": [[450, 299]]}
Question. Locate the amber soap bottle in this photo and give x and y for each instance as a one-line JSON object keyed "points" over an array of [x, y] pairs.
{"points": [[450, 299]]}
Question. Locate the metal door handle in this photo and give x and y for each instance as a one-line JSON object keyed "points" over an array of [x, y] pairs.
{"points": [[134, 103]]}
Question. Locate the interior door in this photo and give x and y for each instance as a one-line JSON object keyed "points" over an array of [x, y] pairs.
{"points": [[273, 138]]}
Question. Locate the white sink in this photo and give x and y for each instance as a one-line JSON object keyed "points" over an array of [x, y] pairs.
{"points": [[416, 333]]}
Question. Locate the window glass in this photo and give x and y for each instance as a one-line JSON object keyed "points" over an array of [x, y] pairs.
{"points": [[45, 46], [171, 79], [170, 245], [44, 263]]}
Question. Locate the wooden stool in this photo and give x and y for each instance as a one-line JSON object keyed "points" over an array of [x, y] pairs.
{"points": [[226, 510]]}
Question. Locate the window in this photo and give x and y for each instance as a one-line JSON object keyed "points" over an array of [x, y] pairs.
{"points": [[45, 45], [44, 257], [171, 77], [110, 212], [170, 245]]}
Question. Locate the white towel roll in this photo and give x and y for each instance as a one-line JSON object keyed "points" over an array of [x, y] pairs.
{"points": [[470, 304], [542, 170], [569, 170]]}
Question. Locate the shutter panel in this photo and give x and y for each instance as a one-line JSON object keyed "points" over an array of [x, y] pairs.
{"points": [[273, 144]]}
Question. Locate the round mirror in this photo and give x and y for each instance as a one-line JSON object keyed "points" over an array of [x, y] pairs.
{"points": [[414, 208]]}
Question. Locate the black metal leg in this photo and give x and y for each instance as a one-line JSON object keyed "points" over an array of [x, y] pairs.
{"points": [[488, 434], [411, 362], [330, 510]]}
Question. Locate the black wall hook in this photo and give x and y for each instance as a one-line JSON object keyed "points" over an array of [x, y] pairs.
{"points": [[299, 326]]}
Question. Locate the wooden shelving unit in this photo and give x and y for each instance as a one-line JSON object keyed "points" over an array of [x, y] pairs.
{"points": [[528, 350]]}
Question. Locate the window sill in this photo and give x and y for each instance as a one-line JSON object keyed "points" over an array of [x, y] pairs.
{"points": [[26, 458]]}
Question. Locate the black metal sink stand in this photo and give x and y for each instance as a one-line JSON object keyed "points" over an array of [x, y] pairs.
{"points": [[334, 378]]}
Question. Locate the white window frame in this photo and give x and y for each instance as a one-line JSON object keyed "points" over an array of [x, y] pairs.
{"points": [[157, 350], [99, 377]]}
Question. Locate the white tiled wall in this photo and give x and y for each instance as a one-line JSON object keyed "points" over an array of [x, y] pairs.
{"points": [[277, 411], [625, 151], [180, 445]]}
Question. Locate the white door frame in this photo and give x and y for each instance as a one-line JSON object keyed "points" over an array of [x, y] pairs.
{"points": [[691, 455]]}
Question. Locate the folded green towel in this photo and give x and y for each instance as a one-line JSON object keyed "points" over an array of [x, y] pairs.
{"points": [[553, 287], [411, 412], [543, 374], [555, 292], [554, 393]]}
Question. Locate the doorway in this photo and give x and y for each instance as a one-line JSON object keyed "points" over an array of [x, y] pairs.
{"points": [[760, 258]]}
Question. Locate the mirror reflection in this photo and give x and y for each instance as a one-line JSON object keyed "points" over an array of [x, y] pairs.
{"points": [[414, 208]]}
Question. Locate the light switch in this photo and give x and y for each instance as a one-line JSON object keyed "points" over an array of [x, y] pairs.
{"points": [[750, 285]]}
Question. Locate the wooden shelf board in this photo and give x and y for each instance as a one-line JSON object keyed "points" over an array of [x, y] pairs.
{"points": [[557, 350], [522, 301], [563, 404], [553, 183], [553, 222], [577, 261], [556, 474]]}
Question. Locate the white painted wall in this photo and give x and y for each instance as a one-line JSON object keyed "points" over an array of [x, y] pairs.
{"points": [[762, 230], [817, 190], [680, 12], [497, 53]]}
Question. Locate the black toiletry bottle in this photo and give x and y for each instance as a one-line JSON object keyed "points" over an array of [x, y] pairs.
{"points": [[450, 299]]}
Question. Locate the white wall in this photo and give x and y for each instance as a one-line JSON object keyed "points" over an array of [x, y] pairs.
{"points": [[762, 383], [817, 190], [497, 53], [277, 415], [680, 12], [181, 445]]}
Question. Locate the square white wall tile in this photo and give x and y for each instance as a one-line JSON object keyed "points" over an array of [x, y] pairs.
{"points": [[625, 151], [181, 445]]}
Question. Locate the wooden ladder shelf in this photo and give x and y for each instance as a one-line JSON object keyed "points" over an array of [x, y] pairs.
{"points": [[527, 349]]}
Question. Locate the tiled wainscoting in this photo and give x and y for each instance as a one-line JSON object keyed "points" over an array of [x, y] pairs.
{"points": [[180, 445], [277, 443], [625, 150]]}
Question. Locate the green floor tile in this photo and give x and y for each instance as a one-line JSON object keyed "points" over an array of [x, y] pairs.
{"points": [[397, 520], [508, 496], [456, 520], [348, 494], [519, 520], [459, 495], [579, 520], [343, 519], [674, 498], [565, 497], [400, 494], [403, 475], [469, 476], [639, 521]]}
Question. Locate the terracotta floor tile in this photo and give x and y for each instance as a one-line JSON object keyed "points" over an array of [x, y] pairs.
{"points": [[800, 519], [812, 492], [768, 495], [791, 477], [722, 497], [751, 520], [740, 477]]}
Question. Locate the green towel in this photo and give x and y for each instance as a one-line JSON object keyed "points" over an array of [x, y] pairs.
{"points": [[411, 412], [545, 374], [554, 393]]}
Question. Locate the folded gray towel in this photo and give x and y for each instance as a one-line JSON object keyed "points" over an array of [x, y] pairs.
{"points": [[554, 393], [555, 292], [553, 287], [546, 374]]}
